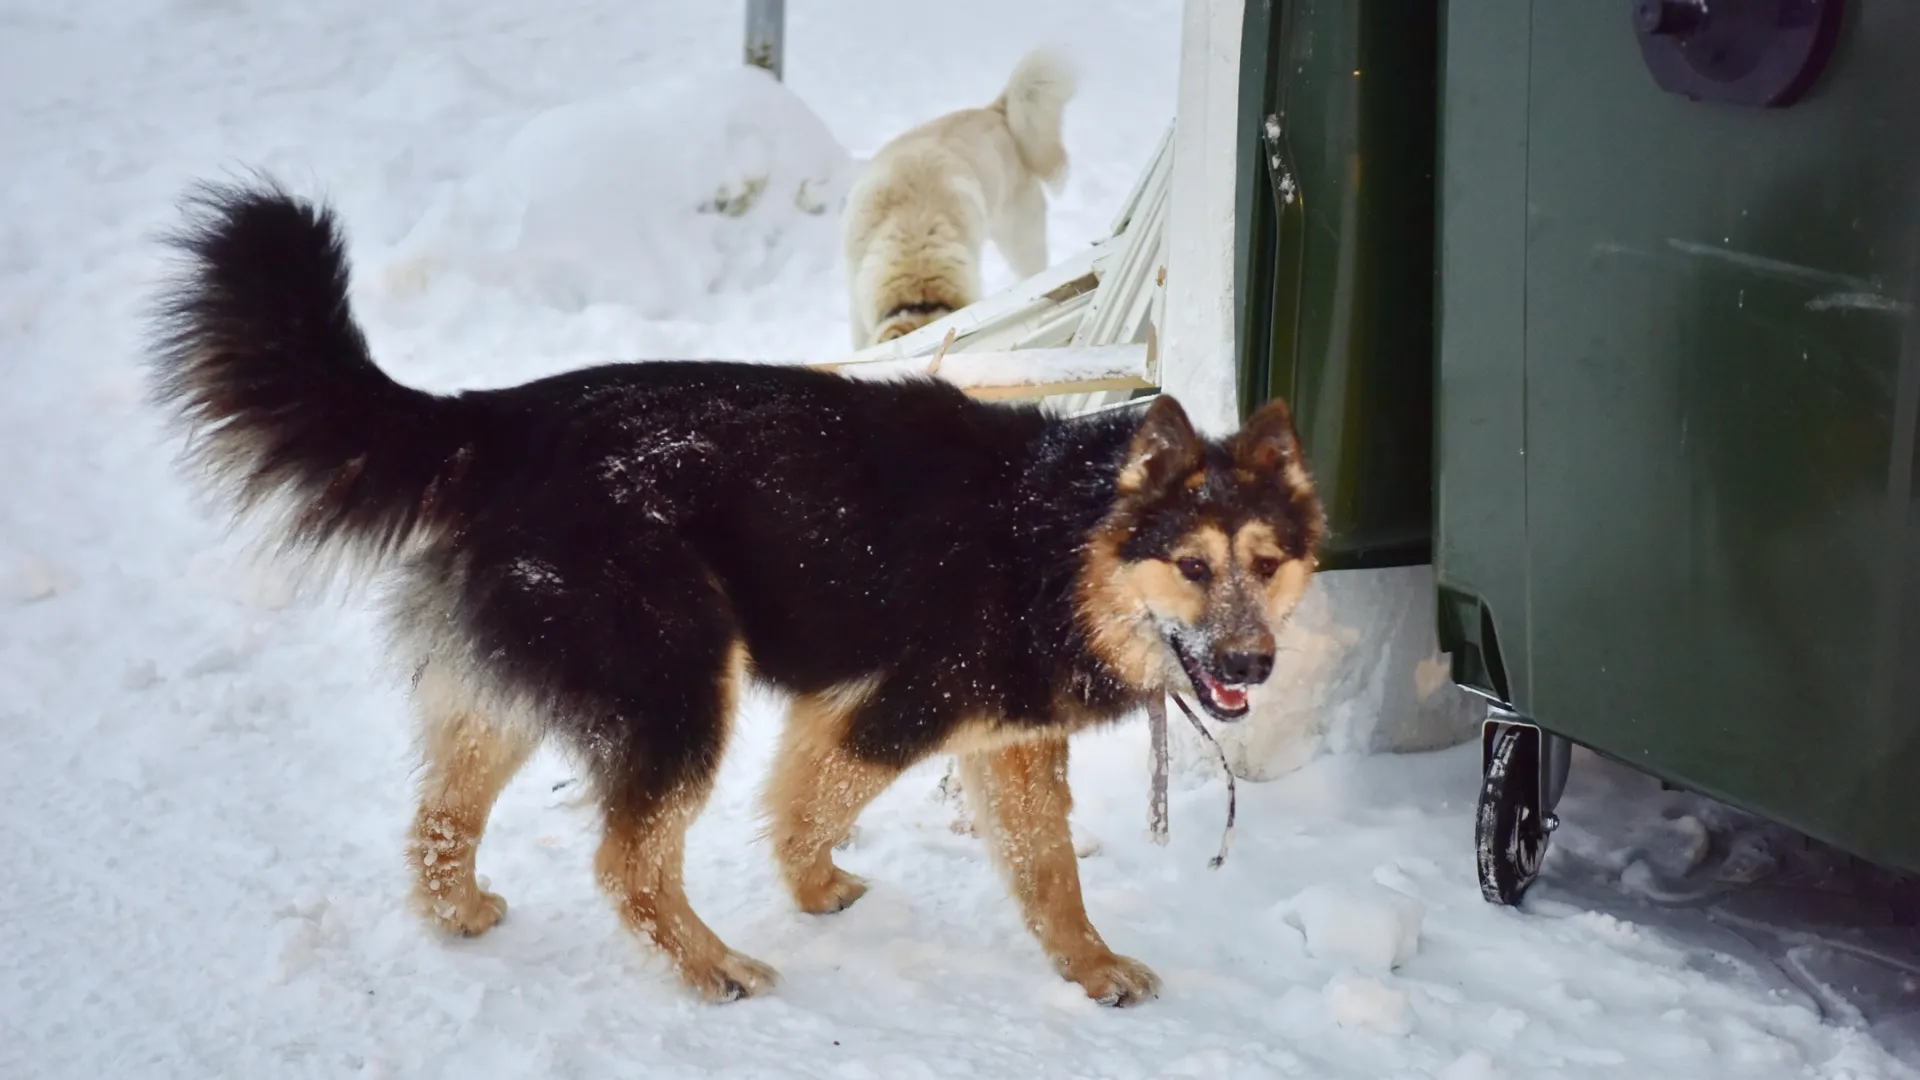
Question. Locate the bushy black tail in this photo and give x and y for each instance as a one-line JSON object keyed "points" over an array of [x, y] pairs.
{"points": [[259, 356]]}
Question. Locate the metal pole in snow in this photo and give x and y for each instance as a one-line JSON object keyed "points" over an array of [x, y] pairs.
{"points": [[767, 35]]}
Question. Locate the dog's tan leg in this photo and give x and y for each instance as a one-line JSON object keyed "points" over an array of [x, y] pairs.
{"points": [[642, 857], [469, 757], [816, 791], [640, 866], [1021, 802]]}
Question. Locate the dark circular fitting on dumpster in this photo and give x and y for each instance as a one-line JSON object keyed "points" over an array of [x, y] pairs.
{"points": [[1669, 16], [1759, 53]]}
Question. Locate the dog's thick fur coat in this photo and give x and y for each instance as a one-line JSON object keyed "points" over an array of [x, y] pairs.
{"points": [[603, 558], [917, 218]]}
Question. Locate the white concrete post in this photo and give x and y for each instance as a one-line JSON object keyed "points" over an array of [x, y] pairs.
{"points": [[1196, 359]]}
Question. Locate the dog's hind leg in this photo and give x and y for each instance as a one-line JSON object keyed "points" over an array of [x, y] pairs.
{"points": [[1021, 802], [640, 866], [858, 318], [1020, 232], [628, 647], [654, 787], [468, 755], [816, 791]]}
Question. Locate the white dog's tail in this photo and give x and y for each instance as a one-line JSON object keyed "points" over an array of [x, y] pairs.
{"points": [[1042, 83]]}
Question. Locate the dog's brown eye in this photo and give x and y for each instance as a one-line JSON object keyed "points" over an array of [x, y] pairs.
{"points": [[1195, 570], [1266, 566]]}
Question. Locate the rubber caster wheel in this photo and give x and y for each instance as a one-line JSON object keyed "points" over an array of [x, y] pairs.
{"points": [[1510, 828]]}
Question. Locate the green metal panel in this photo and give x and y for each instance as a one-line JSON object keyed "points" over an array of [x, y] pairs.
{"points": [[1678, 386], [1334, 269], [1480, 439]]}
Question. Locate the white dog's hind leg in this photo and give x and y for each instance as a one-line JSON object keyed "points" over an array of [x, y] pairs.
{"points": [[1021, 230], [857, 319]]}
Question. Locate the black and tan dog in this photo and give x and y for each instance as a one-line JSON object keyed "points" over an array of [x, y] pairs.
{"points": [[604, 557]]}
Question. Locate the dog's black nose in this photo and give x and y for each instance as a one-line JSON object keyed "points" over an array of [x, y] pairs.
{"points": [[1246, 668]]}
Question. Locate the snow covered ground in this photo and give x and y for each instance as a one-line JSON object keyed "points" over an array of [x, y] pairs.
{"points": [[204, 777]]}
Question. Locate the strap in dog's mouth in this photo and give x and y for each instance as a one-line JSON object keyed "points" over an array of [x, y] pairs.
{"points": [[923, 307]]}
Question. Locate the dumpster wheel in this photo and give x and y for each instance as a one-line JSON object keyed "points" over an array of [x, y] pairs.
{"points": [[1510, 828]]}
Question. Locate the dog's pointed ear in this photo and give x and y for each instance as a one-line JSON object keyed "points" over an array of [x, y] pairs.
{"points": [[1268, 443], [1165, 448]]}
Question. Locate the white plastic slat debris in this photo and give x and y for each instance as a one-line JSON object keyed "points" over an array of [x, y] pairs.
{"points": [[1021, 372]]}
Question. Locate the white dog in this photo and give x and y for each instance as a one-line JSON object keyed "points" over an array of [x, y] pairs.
{"points": [[919, 215]]}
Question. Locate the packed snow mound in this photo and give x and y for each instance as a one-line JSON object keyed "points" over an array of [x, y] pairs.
{"points": [[426, 86], [1362, 1001], [1370, 927], [652, 198]]}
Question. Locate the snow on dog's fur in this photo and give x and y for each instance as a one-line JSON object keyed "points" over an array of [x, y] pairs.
{"points": [[931, 198]]}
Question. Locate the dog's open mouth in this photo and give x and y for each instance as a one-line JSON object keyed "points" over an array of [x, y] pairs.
{"points": [[1226, 701]]}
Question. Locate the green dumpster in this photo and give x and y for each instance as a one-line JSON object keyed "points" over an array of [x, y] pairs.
{"points": [[1606, 308], [1678, 381]]}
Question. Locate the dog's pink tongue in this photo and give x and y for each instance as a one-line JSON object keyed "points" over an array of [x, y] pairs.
{"points": [[1224, 696]]}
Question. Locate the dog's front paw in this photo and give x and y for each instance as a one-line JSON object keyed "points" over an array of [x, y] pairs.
{"points": [[1111, 979], [732, 977]]}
